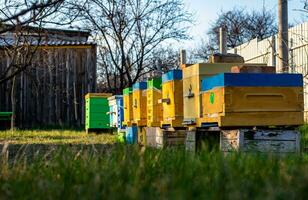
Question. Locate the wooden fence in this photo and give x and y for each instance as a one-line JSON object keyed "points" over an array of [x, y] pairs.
{"points": [[51, 91]]}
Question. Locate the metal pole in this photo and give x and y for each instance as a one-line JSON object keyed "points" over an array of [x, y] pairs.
{"points": [[283, 50]]}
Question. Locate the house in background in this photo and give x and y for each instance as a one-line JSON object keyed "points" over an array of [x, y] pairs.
{"points": [[266, 51], [50, 92]]}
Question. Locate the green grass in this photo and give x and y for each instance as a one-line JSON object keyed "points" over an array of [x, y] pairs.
{"points": [[54, 137], [131, 172]]}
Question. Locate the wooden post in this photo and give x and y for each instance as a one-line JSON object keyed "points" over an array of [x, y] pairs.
{"points": [[283, 35]]}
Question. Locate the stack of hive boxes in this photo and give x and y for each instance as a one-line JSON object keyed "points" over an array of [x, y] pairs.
{"points": [[140, 104], [172, 99], [154, 108], [192, 77], [155, 111], [97, 110], [116, 111], [128, 106]]}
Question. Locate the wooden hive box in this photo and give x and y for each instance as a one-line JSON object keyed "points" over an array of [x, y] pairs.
{"points": [[97, 110], [172, 99], [128, 106], [247, 100], [192, 77], [154, 108], [140, 104], [116, 111]]}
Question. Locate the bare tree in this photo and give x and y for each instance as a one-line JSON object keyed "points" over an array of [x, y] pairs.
{"points": [[129, 30], [241, 26], [15, 17], [21, 35]]}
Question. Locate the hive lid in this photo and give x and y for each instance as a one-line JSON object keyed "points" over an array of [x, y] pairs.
{"points": [[115, 97], [127, 91], [252, 80], [140, 86], [172, 75], [154, 83], [98, 95]]}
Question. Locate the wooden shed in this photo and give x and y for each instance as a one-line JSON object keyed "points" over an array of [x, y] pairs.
{"points": [[50, 92]]}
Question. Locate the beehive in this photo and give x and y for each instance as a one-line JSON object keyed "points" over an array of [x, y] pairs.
{"points": [[172, 99], [127, 106], [192, 76], [140, 104], [97, 110], [233, 100], [154, 109], [116, 111]]}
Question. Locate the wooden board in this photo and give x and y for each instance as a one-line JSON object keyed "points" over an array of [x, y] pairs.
{"points": [[171, 138], [98, 95], [265, 141], [150, 135]]}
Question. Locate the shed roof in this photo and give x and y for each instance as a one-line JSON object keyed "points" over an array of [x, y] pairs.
{"points": [[6, 42], [45, 37]]}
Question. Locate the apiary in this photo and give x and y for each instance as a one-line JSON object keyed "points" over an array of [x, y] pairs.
{"points": [[192, 77], [97, 110], [259, 99], [140, 104], [172, 98], [127, 106], [154, 108]]}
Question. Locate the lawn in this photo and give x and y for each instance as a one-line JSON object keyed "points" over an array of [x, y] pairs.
{"points": [[132, 172], [54, 137]]}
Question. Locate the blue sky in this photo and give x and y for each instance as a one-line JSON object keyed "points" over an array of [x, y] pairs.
{"points": [[206, 12]]}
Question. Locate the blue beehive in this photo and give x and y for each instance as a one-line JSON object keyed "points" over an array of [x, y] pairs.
{"points": [[116, 111], [132, 135], [172, 75], [252, 80]]}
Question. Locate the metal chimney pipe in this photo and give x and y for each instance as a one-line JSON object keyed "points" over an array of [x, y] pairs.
{"points": [[182, 57], [222, 40]]}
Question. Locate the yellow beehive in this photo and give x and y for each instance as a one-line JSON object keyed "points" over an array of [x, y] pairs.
{"points": [[140, 104], [128, 106], [172, 99], [155, 109], [253, 106], [192, 77]]}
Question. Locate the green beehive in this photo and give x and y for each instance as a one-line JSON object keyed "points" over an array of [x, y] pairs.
{"points": [[97, 111]]}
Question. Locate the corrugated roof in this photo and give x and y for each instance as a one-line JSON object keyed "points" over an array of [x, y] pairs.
{"points": [[6, 42]]}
